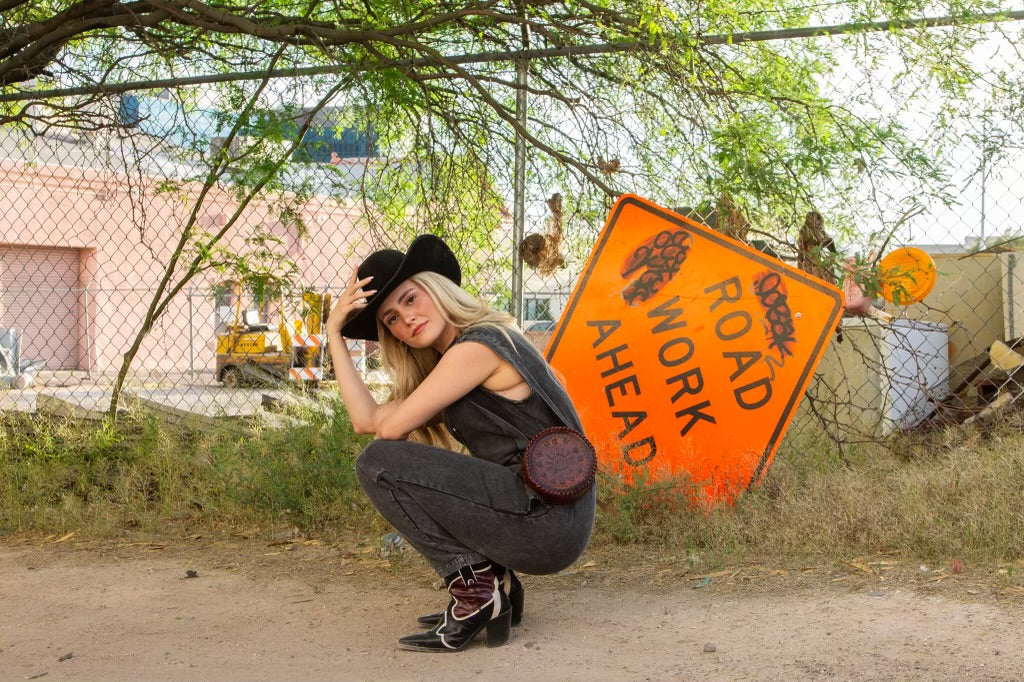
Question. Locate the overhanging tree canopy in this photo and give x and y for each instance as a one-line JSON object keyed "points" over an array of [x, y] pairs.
{"points": [[624, 95], [634, 82]]}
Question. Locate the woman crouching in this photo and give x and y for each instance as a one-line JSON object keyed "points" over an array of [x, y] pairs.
{"points": [[459, 369]]}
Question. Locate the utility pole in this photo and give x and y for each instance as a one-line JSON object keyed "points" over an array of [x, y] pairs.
{"points": [[519, 184]]}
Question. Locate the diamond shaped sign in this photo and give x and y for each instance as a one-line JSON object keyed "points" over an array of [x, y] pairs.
{"points": [[687, 352]]}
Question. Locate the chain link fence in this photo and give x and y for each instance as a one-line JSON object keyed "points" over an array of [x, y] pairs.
{"points": [[136, 246]]}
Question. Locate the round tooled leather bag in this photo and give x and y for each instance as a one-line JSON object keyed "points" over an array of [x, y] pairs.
{"points": [[560, 464]]}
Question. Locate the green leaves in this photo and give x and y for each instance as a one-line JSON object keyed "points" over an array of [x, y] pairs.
{"points": [[679, 102]]}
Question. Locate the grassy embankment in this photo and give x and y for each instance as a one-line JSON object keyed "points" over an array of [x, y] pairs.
{"points": [[952, 494]]}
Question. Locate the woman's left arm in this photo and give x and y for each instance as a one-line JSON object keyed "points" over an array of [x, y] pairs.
{"points": [[462, 368]]}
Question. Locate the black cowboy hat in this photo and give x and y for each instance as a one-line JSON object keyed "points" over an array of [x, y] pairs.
{"points": [[389, 268]]}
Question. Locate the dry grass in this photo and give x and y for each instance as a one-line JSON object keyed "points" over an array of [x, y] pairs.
{"points": [[955, 494]]}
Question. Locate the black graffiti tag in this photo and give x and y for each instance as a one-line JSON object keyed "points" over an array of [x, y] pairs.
{"points": [[771, 294], [660, 257]]}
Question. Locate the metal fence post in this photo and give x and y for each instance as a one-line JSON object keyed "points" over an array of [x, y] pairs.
{"points": [[191, 336], [519, 185], [88, 333]]}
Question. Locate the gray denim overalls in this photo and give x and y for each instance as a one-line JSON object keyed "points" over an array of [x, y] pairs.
{"points": [[458, 510]]}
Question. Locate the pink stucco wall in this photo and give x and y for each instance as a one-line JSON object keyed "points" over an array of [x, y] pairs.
{"points": [[126, 232]]}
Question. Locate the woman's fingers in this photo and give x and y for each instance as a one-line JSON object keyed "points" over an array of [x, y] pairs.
{"points": [[354, 296], [360, 298], [357, 283], [352, 299], [355, 288]]}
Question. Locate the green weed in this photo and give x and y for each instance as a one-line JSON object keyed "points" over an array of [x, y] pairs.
{"points": [[58, 474], [943, 495]]}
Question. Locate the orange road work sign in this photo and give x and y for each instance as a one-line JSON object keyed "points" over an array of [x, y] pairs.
{"points": [[687, 352]]}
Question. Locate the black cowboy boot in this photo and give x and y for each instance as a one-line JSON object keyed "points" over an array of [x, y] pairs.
{"points": [[478, 602], [513, 590]]}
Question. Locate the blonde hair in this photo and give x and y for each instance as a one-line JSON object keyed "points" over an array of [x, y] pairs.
{"points": [[408, 367]]}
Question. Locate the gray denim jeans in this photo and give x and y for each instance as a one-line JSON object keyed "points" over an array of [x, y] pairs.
{"points": [[458, 510]]}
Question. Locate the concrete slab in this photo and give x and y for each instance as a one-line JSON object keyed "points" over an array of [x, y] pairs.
{"points": [[74, 402], [296, 403], [177, 403], [199, 401], [18, 400]]}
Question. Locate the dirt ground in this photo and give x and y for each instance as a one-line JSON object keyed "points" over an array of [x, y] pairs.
{"points": [[296, 609]]}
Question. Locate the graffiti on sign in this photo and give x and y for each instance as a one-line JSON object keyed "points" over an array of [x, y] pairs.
{"points": [[700, 348], [653, 264]]}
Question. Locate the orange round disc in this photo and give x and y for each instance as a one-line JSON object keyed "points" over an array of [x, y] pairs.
{"points": [[906, 275]]}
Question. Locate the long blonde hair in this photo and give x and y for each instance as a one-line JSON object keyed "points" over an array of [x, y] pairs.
{"points": [[408, 367]]}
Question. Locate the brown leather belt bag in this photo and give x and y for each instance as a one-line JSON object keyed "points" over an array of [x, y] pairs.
{"points": [[560, 464]]}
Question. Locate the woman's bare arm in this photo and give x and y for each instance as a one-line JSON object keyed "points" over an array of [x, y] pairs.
{"points": [[461, 369], [355, 394]]}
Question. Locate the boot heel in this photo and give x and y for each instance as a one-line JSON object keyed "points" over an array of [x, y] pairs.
{"points": [[476, 594], [498, 629], [516, 599]]}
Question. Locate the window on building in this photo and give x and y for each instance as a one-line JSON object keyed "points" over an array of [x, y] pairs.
{"points": [[351, 143], [537, 308], [224, 301]]}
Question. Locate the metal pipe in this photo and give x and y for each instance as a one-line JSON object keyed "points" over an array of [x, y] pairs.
{"points": [[1011, 275], [88, 333], [519, 184], [984, 173], [540, 53], [191, 335]]}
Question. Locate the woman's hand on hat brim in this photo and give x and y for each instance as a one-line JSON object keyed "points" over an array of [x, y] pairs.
{"points": [[351, 300]]}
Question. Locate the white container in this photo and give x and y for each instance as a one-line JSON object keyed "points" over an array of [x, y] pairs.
{"points": [[882, 378]]}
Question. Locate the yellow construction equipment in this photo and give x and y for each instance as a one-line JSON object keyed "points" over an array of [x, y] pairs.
{"points": [[254, 351]]}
